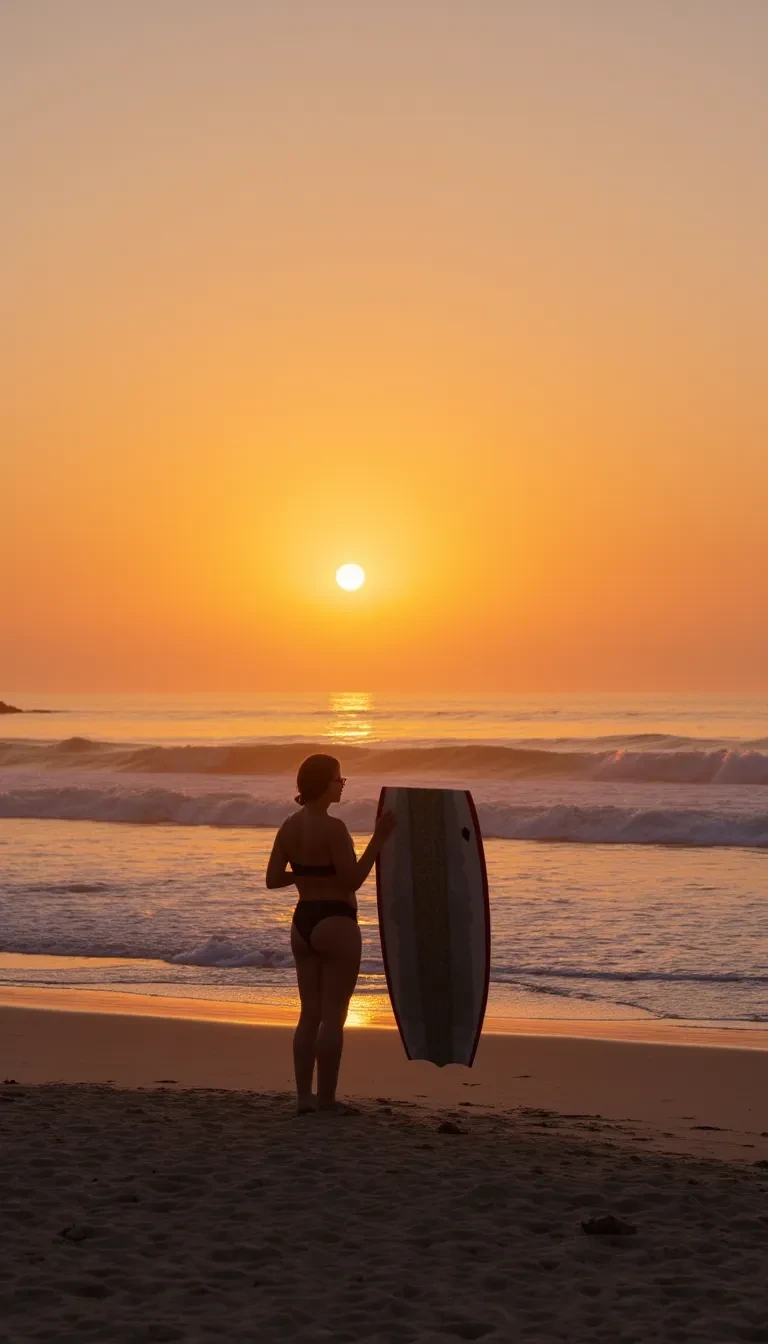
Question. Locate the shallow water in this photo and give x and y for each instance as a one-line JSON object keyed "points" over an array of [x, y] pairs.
{"points": [[578, 930]]}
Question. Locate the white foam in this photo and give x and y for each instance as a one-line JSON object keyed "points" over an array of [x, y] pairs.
{"points": [[641, 819], [221, 951]]}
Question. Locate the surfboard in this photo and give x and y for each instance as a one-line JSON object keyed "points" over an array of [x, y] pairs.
{"points": [[434, 920]]}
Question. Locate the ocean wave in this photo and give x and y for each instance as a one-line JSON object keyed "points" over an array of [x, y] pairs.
{"points": [[270, 950], [258, 964], [224, 953], [634, 977], [614, 987], [643, 758], [582, 824], [67, 888]]}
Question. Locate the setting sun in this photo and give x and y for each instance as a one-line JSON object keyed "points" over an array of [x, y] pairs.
{"points": [[350, 577]]}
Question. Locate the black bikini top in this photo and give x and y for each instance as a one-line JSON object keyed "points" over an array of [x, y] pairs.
{"points": [[312, 869]]}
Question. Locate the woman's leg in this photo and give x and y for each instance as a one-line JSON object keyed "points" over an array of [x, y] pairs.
{"points": [[337, 940], [309, 976]]}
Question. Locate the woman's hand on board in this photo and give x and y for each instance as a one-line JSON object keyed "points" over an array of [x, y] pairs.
{"points": [[384, 827]]}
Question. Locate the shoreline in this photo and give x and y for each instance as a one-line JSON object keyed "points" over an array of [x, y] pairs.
{"points": [[128, 1003], [696, 1096]]}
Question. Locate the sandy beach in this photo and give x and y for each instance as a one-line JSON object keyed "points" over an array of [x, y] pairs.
{"points": [[160, 1187]]}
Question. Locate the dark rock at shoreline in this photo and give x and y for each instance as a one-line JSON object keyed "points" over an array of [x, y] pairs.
{"points": [[14, 709]]}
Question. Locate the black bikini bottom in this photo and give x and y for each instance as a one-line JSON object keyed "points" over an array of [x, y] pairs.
{"points": [[309, 913]]}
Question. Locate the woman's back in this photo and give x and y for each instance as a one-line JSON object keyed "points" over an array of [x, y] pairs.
{"points": [[306, 838]]}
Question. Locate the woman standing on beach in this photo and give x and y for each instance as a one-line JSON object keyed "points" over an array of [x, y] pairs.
{"points": [[325, 937]]}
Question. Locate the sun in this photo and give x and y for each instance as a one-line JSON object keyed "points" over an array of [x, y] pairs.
{"points": [[350, 577]]}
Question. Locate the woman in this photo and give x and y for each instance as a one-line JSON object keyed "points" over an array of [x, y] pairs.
{"points": [[325, 938]]}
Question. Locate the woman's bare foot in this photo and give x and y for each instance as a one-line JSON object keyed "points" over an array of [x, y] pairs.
{"points": [[306, 1105], [338, 1108]]}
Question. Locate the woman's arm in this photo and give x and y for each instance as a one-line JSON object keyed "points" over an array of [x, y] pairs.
{"points": [[277, 874], [350, 870]]}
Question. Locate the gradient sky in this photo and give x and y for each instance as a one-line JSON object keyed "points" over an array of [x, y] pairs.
{"points": [[474, 294]]}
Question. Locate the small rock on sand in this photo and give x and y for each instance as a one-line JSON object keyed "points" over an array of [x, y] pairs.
{"points": [[607, 1224]]}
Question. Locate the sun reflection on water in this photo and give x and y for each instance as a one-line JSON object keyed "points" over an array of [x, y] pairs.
{"points": [[370, 1010], [350, 716]]}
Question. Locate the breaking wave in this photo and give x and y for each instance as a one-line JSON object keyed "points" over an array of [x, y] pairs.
{"points": [[590, 823], [223, 952], [652, 758]]}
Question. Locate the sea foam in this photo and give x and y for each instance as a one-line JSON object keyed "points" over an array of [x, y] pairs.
{"points": [[584, 822]]}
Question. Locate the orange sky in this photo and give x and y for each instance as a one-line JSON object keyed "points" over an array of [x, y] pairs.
{"points": [[473, 294]]}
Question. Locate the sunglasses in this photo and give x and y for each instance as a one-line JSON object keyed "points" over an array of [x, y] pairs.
{"points": [[340, 779]]}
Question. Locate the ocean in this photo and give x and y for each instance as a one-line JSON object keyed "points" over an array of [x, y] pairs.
{"points": [[626, 840]]}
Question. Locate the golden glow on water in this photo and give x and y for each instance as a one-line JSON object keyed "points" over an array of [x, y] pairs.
{"points": [[370, 1010], [350, 719]]}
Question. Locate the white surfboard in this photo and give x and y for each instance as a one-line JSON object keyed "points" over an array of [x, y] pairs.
{"points": [[434, 919]]}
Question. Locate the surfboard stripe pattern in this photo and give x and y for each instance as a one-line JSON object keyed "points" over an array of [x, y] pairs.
{"points": [[434, 919]]}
